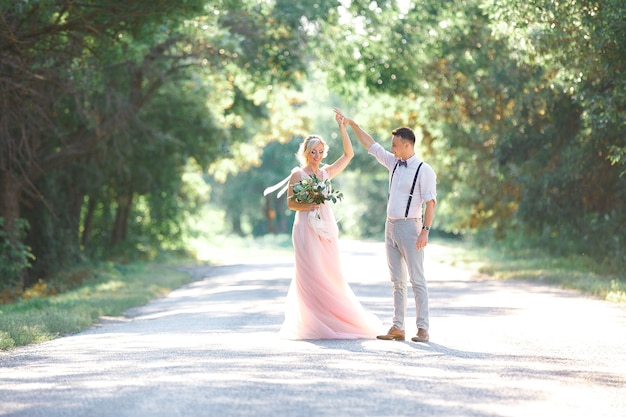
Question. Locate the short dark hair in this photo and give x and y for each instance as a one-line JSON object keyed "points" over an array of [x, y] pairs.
{"points": [[405, 133]]}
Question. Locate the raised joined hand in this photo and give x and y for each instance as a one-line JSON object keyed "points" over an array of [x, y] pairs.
{"points": [[341, 120]]}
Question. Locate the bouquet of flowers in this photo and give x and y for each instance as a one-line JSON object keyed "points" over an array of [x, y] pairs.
{"points": [[314, 191]]}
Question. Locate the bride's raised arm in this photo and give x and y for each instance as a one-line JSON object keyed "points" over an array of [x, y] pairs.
{"points": [[348, 152]]}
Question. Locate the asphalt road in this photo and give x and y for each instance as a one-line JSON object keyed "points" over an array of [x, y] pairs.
{"points": [[211, 349]]}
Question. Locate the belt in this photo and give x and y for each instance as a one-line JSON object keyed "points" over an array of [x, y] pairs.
{"points": [[406, 219]]}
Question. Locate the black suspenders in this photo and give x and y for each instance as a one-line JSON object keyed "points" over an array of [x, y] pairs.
{"points": [[406, 213], [408, 204]]}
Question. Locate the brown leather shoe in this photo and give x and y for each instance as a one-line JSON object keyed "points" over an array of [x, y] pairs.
{"points": [[422, 336], [393, 334]]}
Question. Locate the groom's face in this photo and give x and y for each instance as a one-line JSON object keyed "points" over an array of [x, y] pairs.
{"points": [[398, 147]]}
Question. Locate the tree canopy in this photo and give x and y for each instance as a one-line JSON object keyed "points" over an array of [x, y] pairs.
{"points": [[105, 104]]}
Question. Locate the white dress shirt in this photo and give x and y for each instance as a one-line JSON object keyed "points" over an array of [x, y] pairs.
{"points": [[401, 182]]}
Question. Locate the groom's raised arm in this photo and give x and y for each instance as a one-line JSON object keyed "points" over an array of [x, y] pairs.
{"points": [[364, 138]]}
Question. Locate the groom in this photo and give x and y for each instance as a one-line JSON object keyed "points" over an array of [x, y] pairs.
{"points": [[412, 185]]}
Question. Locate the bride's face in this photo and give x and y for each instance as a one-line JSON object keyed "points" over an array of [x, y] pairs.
{"points": [[316, 155]]}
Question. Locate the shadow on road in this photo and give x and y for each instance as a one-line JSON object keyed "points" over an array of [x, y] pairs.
{"points": [[212, 348]]}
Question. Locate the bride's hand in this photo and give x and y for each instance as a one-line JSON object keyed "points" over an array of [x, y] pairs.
{"points": [[340, 117]]}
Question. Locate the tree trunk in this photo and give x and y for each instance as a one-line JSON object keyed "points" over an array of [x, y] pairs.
{"points": [[237, 226], [270, 216], [9, 202], [126, 216], [88, 222], [10, 213], [282, 226], [120, 227]]}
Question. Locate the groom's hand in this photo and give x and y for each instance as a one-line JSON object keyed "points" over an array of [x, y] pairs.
{"points": [[422, 240], [343, 117]]}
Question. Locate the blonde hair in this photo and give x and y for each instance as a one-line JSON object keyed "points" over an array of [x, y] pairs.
{"points": [[307, 145]]}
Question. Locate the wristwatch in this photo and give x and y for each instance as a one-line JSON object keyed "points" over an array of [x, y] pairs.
{"points": [[427, 228]]}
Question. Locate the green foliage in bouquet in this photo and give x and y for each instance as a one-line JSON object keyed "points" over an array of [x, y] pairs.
{"points": [[314, 191]]}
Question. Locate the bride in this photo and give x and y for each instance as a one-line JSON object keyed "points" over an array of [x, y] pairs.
{"points": [[320, 304]]}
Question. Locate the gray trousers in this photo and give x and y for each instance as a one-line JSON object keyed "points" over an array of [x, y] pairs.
{"points": [[402, 255]]}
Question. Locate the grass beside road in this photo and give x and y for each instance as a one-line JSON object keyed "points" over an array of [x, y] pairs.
{"points": [[111, 290], [574, 272]]}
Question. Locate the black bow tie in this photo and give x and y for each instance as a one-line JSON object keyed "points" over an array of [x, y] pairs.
{"points": [[402, 163]]}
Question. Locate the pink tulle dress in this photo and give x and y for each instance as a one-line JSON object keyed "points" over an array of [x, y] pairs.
{"points": [[320, 304]]}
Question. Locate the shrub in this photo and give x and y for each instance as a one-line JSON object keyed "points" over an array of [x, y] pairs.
{"points": [[15, 256]]}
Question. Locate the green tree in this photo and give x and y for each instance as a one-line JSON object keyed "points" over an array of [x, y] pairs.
{"points": [[121, 96], [575, 186], [524, 128], [56, 105]]}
